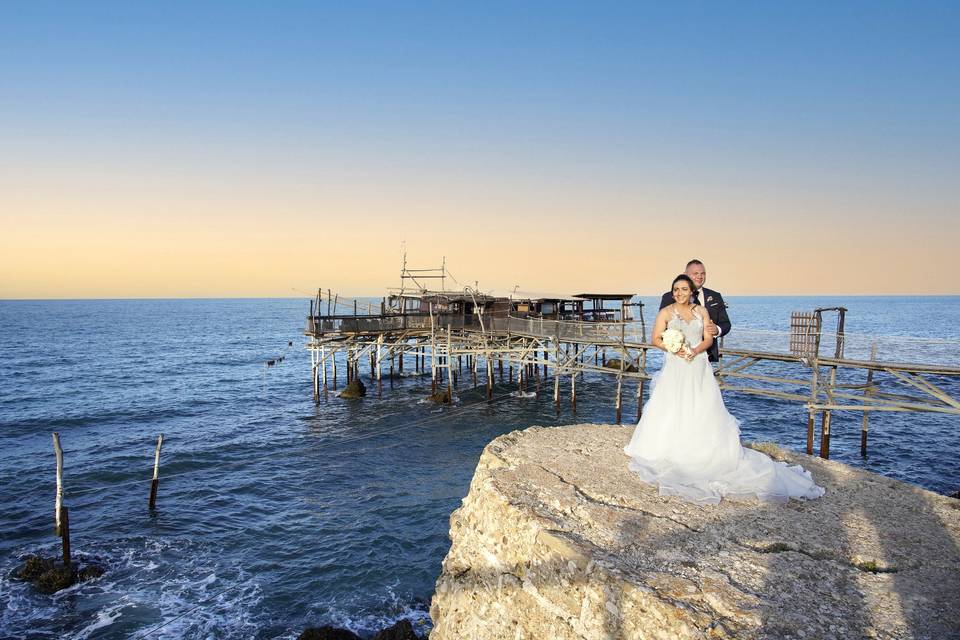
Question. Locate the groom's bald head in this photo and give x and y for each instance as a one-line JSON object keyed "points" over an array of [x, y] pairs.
{"points": [[697, 273]]}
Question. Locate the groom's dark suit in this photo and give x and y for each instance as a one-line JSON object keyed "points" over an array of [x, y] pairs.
{"points": [[712, 301]]}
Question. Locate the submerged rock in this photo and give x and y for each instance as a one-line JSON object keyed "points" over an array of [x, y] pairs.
{"points": [[558, 539], [355, 389], [440, 397], [49, 576], [614, 363]]}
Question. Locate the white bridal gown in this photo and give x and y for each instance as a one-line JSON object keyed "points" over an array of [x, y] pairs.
{"points": [[689, 444]]}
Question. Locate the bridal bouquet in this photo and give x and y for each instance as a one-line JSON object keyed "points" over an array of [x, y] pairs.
{"points": [[674, 341]]}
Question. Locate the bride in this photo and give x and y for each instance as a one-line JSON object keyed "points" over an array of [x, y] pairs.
{"points": [[687, 442]]}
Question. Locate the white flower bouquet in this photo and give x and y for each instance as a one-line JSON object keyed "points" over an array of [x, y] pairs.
{"points": [[674, 341]]}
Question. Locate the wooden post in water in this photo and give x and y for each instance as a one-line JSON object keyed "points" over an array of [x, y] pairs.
{"points": [[827, 418], [65, 535], [333, 364], [643, 367], [433, 352], [449, 367], [156, 475], [573, 383], [556, 372], [814, 393], [866, 414], [489, 377], [620, 388], [323, 370], [62, 515], [379, 363], [58, 503]]}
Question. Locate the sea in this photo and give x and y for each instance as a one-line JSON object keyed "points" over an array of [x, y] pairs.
{"points": [[275, 513]]}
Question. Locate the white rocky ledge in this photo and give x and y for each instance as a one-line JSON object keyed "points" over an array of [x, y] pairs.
{"points": [[558, 539]]}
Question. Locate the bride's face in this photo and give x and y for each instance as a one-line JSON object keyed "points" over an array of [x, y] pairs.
{"points": [[681, 292]]}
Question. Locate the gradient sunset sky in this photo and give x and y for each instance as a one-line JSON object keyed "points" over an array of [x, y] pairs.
{"points": [[269, 148]]}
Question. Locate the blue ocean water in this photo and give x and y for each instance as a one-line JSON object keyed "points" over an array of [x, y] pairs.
{"points": [[274, 513]]}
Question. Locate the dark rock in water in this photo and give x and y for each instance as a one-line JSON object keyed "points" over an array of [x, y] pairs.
{"points": [[355, 389], [614, 363], [440, 397], [59, 577], [50, 576], [33, 567], [955, 494], [402, 630], [90, 572], [327, 633]]}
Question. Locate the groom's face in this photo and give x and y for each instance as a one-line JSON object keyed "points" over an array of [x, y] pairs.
{"points": [[697, 273]]}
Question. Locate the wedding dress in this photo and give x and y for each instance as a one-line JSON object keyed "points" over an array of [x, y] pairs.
{"points": [[688, 443]]}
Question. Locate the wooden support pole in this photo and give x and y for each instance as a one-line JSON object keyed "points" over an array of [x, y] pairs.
{"points": [[827, 418], [58, 503], [868, 392], [640, 399], [323, 365], [449, 377], [155, 484], [556, 376], [814, 394], [489, 378], [825, 434], [573, 383], [620, 388]]}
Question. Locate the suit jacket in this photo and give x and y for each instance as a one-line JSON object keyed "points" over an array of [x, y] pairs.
{"points": [[713, 302]]}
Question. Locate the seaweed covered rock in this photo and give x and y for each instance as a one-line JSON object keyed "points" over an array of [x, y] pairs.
{"points": [[614, 363], [49, 576], [440, 397], [355, 389]]}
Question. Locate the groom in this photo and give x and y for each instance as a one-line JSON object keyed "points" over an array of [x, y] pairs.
{"points": [[709, 299]]}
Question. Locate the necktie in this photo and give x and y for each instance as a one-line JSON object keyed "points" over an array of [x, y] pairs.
{"points": [[696, 297]]}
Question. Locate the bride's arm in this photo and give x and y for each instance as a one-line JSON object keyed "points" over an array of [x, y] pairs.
{"points": [[659, 326], [707, 338]]}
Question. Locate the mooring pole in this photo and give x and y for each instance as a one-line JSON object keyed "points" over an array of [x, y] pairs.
{"points": [[65, 534], [156, 475], [61, 512], [59, 499]]}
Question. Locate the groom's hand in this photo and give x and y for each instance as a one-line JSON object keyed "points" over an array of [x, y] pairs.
{"points": [[712, 328]]}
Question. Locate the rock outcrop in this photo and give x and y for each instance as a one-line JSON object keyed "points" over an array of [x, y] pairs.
{"points": [[558, 539]]}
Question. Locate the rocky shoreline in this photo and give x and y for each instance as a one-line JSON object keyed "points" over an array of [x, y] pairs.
{"points": [[557, 539]]}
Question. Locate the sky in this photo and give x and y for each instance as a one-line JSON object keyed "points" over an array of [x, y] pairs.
{"points": [[246, 149]]}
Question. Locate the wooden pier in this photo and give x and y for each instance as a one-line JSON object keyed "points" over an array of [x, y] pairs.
{"points": [[542, 340]]}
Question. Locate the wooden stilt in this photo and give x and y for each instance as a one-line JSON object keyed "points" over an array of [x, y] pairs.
{"points": [[868, 392]]}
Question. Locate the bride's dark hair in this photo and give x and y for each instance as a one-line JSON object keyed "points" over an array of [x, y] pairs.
{"points": [[686, 279]]}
